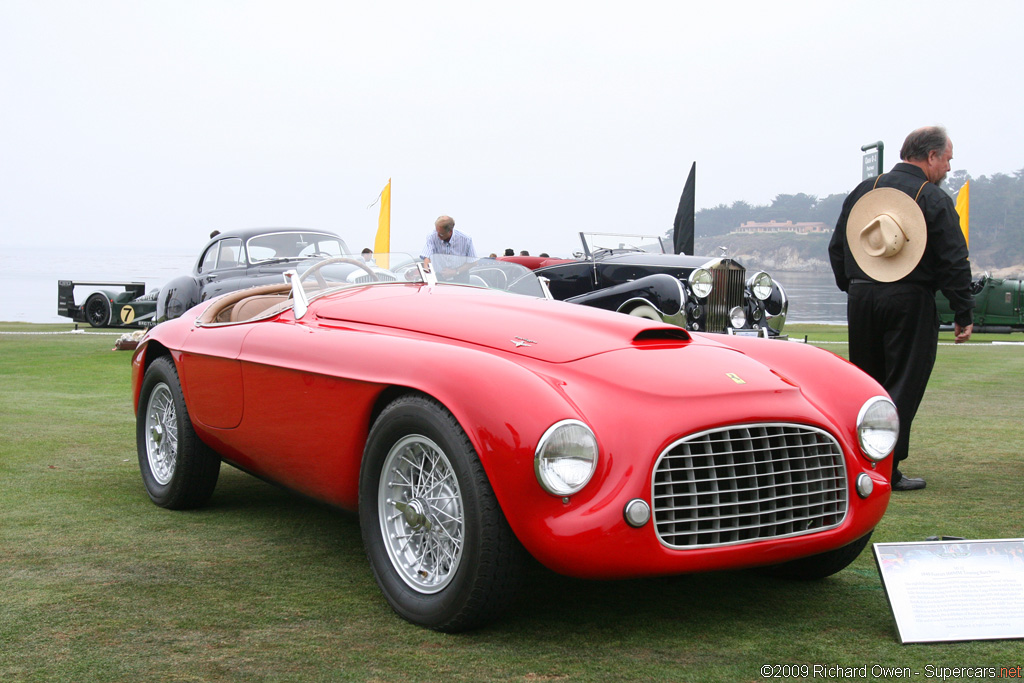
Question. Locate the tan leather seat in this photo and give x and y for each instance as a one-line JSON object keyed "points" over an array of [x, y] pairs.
{"points": [[220, 310], [249, 308]]}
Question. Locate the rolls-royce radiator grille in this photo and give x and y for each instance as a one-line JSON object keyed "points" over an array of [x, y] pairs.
{"points": [[365, 279], [727, 292], [748, 483]]}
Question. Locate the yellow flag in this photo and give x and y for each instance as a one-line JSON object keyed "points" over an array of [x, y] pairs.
{"points": [[382, 244], [963, 207]]}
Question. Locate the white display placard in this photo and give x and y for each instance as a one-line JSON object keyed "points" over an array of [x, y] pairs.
{"points": [[954, 590]]}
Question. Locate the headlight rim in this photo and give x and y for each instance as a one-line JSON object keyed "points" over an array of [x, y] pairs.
{"points": [[696, 287], [868, 452], [753, 285], [538, 459], [737, 313]]}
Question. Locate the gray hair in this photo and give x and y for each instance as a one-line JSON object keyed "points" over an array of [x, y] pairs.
{"points": [[446, 223], [922, 142]]}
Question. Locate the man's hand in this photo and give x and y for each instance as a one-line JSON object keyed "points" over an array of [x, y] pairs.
{"points": [[962, 333]]}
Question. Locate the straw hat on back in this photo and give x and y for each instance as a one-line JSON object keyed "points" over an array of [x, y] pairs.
{"points": [[887, 234]]}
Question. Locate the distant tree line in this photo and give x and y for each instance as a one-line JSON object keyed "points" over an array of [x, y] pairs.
{"points": [[996, 216], [799, 208]]}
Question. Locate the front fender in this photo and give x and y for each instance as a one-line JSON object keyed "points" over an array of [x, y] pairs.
{"points": [[661, 291], [176, 297], [776, 307]]}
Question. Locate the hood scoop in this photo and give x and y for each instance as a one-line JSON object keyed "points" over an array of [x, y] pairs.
{"points": [[659, 336]]}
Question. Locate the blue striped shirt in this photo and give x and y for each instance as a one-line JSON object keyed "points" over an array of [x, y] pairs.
{"points": [[459, 244]]}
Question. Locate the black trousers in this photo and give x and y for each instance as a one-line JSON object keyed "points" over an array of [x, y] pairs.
{"points": [[894, 333]]}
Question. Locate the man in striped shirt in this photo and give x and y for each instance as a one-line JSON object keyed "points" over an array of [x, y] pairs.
{"points": [[447, 241]]}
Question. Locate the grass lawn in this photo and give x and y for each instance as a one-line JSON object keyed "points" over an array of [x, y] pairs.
{"points": [[98, 584]]}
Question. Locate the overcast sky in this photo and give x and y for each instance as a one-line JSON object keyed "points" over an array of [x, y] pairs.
{"points": [[153, 123]]}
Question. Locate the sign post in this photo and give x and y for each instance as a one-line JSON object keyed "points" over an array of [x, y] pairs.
{"points": [[872, 160]]}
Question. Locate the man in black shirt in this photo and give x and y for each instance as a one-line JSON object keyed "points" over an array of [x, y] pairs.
{"points": [[891, 265]]}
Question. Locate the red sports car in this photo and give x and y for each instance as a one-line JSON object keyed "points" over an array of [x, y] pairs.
{"points": [[470, 426]]}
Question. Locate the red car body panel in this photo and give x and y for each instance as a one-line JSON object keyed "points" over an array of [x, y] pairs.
{"points": [[293, 402]]}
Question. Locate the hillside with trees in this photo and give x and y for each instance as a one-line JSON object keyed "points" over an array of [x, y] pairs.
{"points": [[996, 226]]}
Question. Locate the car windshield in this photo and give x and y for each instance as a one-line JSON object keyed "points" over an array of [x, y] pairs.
{"points": [[326, 274], [286, 245], [604, 243], [487, 273]]}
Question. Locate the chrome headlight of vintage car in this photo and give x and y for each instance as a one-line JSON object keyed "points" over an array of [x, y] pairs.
{"points": [[737, 316], [878, 426], [760, 285], [566, 457], [701, 282]]}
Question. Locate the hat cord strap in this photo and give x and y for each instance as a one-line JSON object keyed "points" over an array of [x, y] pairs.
{"points": [[916, 196], [919, 190]]}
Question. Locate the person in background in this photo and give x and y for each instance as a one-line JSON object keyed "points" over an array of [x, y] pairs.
{"points": [[447, 241], [897, 241]]}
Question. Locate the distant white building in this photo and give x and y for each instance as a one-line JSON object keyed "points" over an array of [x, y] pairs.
{"points": [[754, 227]]}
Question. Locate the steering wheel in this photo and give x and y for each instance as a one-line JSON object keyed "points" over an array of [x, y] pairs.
{"points": [[314, 269]]}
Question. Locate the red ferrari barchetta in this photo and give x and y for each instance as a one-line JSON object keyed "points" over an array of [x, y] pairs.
{"points": [[469, 424]]}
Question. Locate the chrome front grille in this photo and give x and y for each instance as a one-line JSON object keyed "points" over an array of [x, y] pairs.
{"points": [[728, 279], [361, 278], [748, 483]]}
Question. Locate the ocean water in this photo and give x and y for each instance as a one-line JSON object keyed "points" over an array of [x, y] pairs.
{"points": [[29, 275], [813, 297]]}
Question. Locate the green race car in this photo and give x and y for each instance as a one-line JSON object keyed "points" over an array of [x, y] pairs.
{"points": [[108, 304], [998, 305]]}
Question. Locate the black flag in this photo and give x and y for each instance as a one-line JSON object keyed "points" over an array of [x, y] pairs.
{"points": [[682, 232]]}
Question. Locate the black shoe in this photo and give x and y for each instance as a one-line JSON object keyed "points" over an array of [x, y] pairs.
{"points": [[908, 484]]}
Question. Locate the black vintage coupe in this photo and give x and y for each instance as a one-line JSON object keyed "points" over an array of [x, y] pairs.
{"points": [[640, 275], [230, 261], [236, 259]]}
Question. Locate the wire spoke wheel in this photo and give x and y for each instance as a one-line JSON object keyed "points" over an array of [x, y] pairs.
{"points": [[161, 434], [421, 514], [440, 547], [178, 469]]}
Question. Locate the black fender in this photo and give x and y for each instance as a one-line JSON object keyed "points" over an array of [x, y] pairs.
{"points": [[663, 292], [776, 307], [176, 297]]}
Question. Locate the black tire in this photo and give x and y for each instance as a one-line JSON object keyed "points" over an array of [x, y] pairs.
{"points": [[178, 469], [439, 546], [97, 310], [819, 566]]}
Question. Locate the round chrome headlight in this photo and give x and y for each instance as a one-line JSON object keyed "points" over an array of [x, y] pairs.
{"points": [[878, 426], [737, 316], [700, 282], [760, 285], [566, 457]]}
